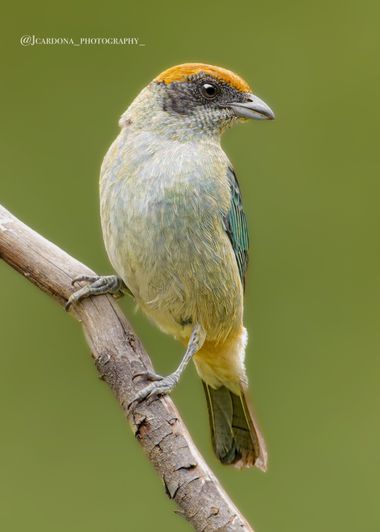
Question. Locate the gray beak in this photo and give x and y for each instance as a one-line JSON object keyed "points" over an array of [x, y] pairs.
{"points": [[252, 108]]}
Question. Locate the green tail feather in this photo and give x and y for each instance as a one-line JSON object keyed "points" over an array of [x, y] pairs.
{"points": [[235, 436]]}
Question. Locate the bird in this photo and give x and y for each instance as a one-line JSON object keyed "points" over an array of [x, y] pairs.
{"points": [[176, 235]]}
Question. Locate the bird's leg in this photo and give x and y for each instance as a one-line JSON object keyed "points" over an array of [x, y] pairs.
{"points": [[164, 385], [108, 284]]}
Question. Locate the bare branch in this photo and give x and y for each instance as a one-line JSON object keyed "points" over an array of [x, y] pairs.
{"points": [[119, 355]]}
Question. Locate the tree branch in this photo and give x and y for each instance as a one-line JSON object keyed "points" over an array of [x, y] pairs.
{"points": [[119, 355]]}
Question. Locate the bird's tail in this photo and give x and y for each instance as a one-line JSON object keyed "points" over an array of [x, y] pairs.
{"points": [[235, 435]]}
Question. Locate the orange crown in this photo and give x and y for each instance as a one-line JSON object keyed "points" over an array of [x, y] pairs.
{"points": [[182, 73]]}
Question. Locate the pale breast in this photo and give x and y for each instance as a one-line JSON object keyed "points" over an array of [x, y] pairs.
{"points": [[161, 207]]}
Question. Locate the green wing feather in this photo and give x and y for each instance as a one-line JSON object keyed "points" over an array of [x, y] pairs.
{"points": [[235, 223]]}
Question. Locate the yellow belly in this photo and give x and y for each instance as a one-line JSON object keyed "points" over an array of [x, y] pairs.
{"points": [[222, 364]]}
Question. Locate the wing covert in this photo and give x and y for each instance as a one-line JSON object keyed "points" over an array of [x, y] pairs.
{"points": [[235, 223]]}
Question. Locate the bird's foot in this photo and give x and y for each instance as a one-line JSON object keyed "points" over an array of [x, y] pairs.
{"points": [[98, 285], [159, 386]]}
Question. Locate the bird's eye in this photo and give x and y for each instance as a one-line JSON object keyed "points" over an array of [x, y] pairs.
{"points": [[209, 90]]}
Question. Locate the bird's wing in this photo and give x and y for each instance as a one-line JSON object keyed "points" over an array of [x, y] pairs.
{"points": [[235, 224]]}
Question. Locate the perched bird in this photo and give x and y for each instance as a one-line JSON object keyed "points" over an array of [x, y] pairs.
{"points": [[176, 234]]}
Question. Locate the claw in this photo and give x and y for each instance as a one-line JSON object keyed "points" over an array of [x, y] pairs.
{"points": [[88, 278], [76, 297], [148, 375], [161, 386]]}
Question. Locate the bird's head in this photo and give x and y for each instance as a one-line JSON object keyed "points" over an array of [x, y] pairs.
{"points": [[196, 98]]}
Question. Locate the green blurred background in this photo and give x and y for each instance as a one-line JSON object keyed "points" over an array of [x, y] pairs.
{"points": [[68, 461]]}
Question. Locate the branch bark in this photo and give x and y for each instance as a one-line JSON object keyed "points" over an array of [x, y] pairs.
{"points": [[118, 355]]}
